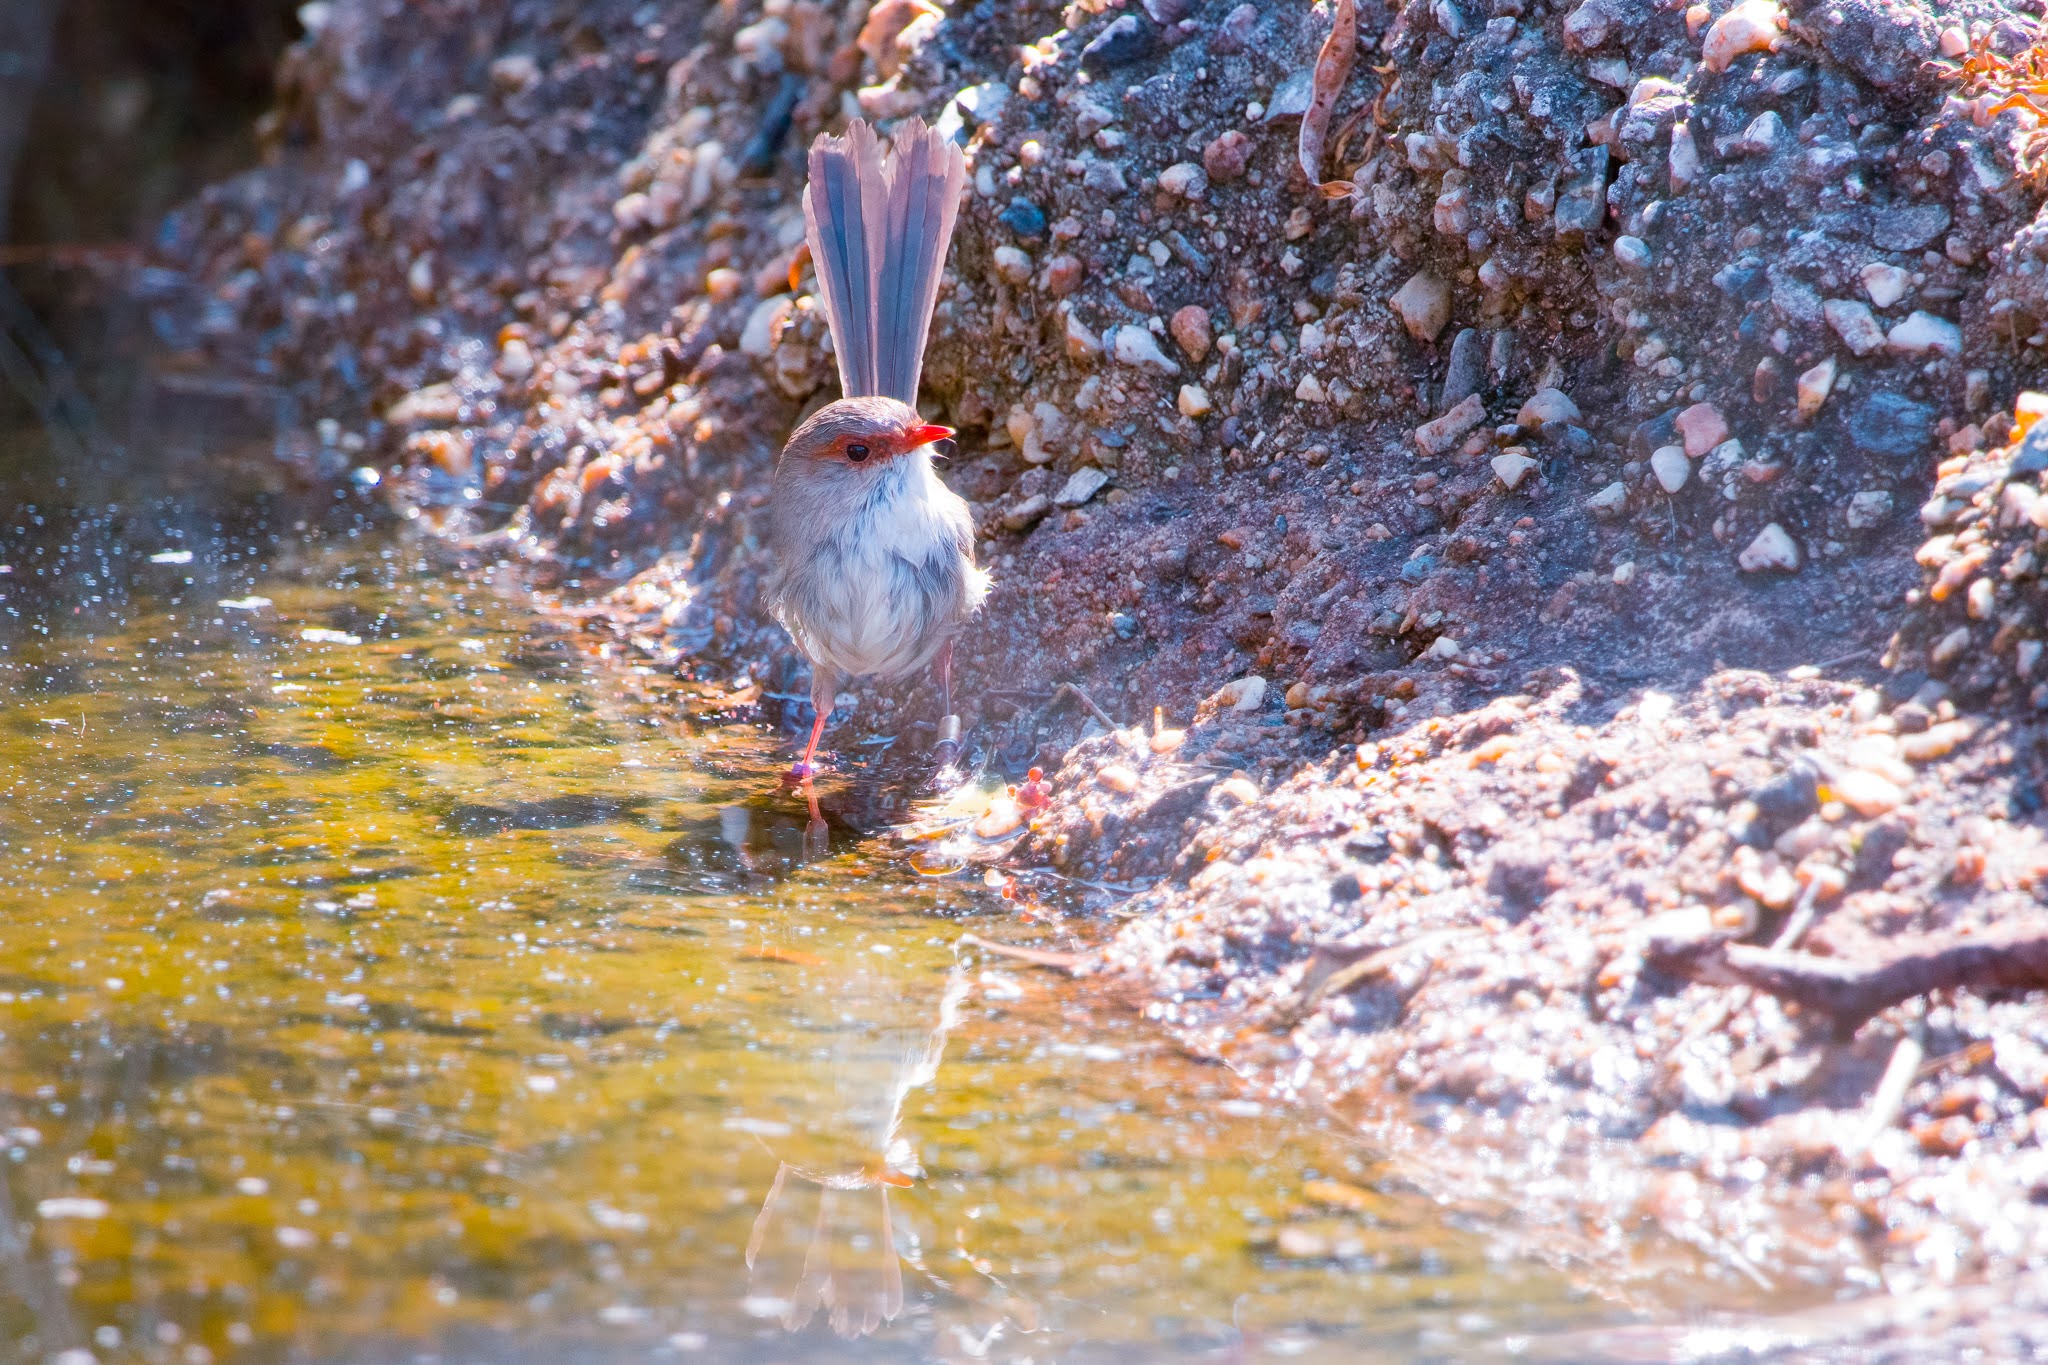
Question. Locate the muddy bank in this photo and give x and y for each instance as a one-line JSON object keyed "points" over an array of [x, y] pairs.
{"points": [[1535, 541]]}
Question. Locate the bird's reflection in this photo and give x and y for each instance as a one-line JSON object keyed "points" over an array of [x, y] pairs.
{"points": [[825, 1238]]}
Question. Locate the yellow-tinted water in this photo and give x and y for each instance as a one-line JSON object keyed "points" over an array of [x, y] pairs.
{"points": [[384, 979]]}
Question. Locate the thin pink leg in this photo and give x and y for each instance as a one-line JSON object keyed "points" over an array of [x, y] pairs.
{"points": [[824, 692]]}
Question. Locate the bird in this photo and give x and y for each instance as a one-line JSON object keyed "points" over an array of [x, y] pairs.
{"points": [[825, 1237], [873, 556]]}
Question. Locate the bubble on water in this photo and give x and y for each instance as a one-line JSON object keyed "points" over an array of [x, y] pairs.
{"points": [[171, 557], [72, 1206], [541, 1085], [296, 1239], [244, 603]]}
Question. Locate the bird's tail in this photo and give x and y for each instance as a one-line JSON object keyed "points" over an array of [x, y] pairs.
{"points": [[879, 228]]}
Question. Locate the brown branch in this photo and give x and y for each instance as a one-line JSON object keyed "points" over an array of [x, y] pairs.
{"points": [[1849, 992], [1072, 963]]}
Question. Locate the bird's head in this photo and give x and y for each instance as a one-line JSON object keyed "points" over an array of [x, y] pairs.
{"points": [[863, 432]]}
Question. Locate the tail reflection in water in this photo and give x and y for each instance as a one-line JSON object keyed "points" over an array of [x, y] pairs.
{"points": [[825, 1237]]}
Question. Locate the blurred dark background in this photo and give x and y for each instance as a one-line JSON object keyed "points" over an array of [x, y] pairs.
{"points": [[111, 113]]}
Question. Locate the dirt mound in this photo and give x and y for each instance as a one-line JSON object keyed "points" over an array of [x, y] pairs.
{"points": [[1618, 385]]}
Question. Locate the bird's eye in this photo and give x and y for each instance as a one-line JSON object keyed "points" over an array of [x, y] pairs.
{"points": [[856, 452]]}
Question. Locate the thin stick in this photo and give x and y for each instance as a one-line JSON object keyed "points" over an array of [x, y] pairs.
{"points": [[1038, 957], [1890, 1097], [1069, 689]]}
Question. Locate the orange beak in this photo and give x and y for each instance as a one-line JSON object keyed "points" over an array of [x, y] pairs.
{"points": [[926, 434]]}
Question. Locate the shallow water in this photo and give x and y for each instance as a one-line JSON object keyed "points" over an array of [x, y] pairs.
{"points": [[385, 977]]}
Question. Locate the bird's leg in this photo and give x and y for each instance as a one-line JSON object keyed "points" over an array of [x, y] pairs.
{"points": [[824, 692], [946, 747]]}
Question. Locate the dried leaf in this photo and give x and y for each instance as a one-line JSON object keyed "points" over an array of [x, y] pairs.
{"points": [[1333, 69]]}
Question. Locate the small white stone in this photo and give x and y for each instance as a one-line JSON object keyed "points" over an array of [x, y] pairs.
{"points": [[1685, 155], [1763, 134], [1547, 408], [1184, 180], [1671, 467], [1310, 390], [1885, 284], [1245, 694], [1613, 498], [1624, 573], [1814, 387], [1632, 252], [1135, 346], [1923, 333], [1512, 467], [1013, 265], [1082, 343], [1868, 508], [1083, 484], [1444, 647], [757, 338], [1855, 324], [1773, 548], [1194, 401], [1424, 306], [1752, 26]]}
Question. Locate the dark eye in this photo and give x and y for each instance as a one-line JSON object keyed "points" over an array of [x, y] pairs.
{"points": [[856, 453], [945, 447]]}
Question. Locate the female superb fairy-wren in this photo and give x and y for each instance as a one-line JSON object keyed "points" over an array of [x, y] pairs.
{"points": [[874, 556]]}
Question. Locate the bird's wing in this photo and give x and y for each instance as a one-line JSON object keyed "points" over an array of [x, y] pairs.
{"points": [[843, 236], [879, 233], [924, 183]]}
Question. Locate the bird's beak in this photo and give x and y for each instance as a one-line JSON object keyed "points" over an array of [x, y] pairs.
{"points": [[928, 433]]}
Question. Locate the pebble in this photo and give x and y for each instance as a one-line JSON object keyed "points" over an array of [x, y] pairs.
{"points": [[1082, 343], [1869, 508], [1063, 275], [1423, 305], [1547, 408], [1773, 548], [1671, 467], [1632, 252], [757, 338], [1512, 467], [1191, 331], [1443, 647], [1024, 218], [1923, 333], [1467, 368], [515, 359], [1885, 284], [1118, 778], [1762, 136], [1185, 180], [1814, 387], [1083, 484], [1243, 695], [1194, 402], [1239, 789], [724, 284], [1855, 324], [1685, 155], [1227, 156], [1027, 513], [1867, 793], [1610, 500], [1003, 817], [1136, 346], [1586, 27], [1953, 41], [1752, 26], [1130, 39], [1311, 390], [1701, 427], [1012, 266], [1438, 437], [1936, 741]]}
